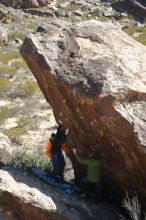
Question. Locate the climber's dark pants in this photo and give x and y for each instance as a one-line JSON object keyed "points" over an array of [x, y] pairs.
{"points": [[58, 163], [91, 188]]}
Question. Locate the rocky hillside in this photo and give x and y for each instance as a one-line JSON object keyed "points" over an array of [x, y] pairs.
{"points": [[95, 81], [24, 3]]}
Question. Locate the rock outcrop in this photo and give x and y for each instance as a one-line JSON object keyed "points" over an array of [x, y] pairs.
{"points": [[5, 148], [134, 7], [94, 77], [24, 3], [3, 38], [29, 198]]}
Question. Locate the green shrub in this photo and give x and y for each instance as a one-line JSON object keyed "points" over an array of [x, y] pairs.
{"points": [[5, 113], [31, 25], [71, 7], [15, 133], [103, 18], [9, 55], [14, 35], [8, 70], [130, 30], [4, 85], [10, 16], [26, 161], [19, 64], [29, 87], [142, 39], [25, 122]]}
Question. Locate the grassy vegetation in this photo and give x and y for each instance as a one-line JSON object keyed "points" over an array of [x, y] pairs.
{"points": [[27, 161], [9, 17], [15, 133], [14, 35], [29, 87], [142, 36], [31, 25], [103, 18], [4, 85], [141, 31], [71, 7], [9, 55], [130, 30], [8, 70], [5, 113], [19, 64], [24, 124]]}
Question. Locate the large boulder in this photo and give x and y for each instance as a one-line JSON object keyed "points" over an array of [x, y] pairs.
{"points": [[94, 76], [25, 3], [29, 198]]}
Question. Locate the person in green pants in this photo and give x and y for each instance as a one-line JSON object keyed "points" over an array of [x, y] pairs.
{"points": [[91, 183]]}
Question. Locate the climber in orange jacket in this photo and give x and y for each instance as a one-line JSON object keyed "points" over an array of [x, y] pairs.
{"points": [[54, 152], [49, 146]]}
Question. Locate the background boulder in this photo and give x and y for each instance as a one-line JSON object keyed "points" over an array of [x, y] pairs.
{"points": [[24, 3]]}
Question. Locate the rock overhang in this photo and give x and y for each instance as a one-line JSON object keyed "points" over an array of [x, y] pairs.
{"points": [[97, 58]]}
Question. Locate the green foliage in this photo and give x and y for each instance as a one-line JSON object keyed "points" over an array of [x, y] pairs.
{"points": [[24, 124], [9, 55], [85, 8], [14, 35], [5, 113], [103, 18], [26, 161], [8, 70], [15, 133], [19, 64], [29, 87], [9, 16], [142, 36], [141, 31], [4, 85], [72, 7], [130, 30], [31, 25]]}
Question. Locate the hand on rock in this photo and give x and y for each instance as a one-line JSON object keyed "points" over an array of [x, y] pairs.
{"points": [[66, 132], [74, 151], [60, 122]]}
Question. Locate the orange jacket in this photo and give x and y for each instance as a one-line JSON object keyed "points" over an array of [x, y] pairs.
{"points": [[48, 149]]}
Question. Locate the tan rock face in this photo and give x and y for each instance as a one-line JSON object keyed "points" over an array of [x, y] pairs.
{"points": [[25, 3], [28, 198], [94, 77]]}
